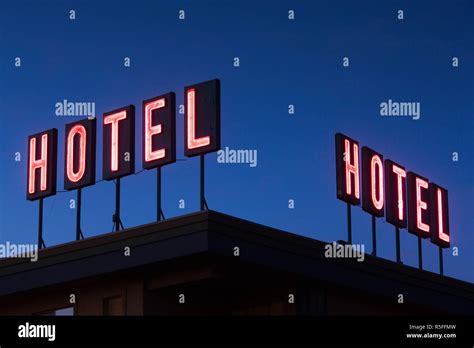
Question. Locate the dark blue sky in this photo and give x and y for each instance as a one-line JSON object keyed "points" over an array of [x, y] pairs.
{"points": [[282, 62]]}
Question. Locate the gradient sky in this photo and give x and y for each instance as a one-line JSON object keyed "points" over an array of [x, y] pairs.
{"points": [[282, 62]]}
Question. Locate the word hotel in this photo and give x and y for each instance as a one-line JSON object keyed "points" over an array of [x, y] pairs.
{"points": [[407, 200], [201, 135]]}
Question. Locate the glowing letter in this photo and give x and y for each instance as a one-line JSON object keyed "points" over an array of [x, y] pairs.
{"points": [[40, 164], [81, 132], [352, 168], [150, 130], [376, 162], [420, 183], [400, 174], [441, 234], [114, 120], [191, 119]]}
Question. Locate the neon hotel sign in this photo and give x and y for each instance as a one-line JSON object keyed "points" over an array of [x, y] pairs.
{"points": [[408, 200], [201, 135]]}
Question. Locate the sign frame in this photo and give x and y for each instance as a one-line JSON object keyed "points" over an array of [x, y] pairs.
{"points": [[434, 217], [206, 115], [391, 193], [51, 165], [413, 228], [368, 204], [125, 129], [341, 181], [166, 138], [89, 176]]}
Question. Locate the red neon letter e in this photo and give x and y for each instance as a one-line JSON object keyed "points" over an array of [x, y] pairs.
{"points": [[191, 119], [420, 205], [151, 130], [40, 164]]}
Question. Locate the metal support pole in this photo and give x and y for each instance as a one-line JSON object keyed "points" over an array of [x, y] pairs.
{"points": [[78, 215], [420, 255], [158, 194], [441, 261], [203, 205], [374, 236], [349, 224], [397, 237], [117, 221], [40, 225], [117, 204], [159, 212]]}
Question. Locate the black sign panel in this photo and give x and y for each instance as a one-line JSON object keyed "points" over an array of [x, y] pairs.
{"points": [[372, 182], [118, 151], [418, 205], [159, 131], [440, 233], [347, 169], [79, 154], [42, 164], [202, 126], [395, 194]]}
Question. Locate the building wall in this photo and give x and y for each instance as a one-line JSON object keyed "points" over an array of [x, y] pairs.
{"points": [[207, 287], [116, 295]]}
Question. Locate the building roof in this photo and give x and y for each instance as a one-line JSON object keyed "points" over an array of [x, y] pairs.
{"points": [[217, 234]]}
